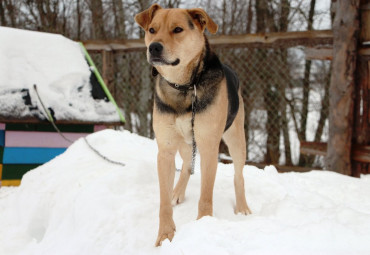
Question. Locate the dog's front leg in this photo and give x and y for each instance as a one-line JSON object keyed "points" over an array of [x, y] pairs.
{"points": [[166, 175], [209, 162]]}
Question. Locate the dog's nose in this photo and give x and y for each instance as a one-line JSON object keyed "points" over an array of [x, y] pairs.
{"points": [[155, 49]]}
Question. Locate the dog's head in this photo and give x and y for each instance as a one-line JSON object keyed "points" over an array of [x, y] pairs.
{"points": [[174, 36]]}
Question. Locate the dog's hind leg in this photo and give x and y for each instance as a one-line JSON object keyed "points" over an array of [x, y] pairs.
{"points": [[178, 195], [234, 138]]}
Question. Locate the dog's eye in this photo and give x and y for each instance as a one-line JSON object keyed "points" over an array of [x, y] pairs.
{"points": [[178, 30], [151, 30]]}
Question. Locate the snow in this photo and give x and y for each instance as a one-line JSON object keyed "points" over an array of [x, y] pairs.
{"points": [[81, 204], [58, 67]]}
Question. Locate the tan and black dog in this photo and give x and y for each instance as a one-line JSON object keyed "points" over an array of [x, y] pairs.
{"points": [[181, 58]]}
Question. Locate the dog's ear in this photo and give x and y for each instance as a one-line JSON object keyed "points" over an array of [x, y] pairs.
{"points": [[144, 18], [203, 20]]}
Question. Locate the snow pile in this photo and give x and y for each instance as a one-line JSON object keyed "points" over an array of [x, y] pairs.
{"points": [[80, 204], [58, 67]]}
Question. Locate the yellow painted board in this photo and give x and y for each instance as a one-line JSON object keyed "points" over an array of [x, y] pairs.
{"points": [[10, 182]]}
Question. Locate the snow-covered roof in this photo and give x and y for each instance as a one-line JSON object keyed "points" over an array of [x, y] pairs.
{"points": [[58, 67]]}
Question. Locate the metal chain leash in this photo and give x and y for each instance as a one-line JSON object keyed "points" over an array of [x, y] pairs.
{"points": [[194, 144], [51, 120]]}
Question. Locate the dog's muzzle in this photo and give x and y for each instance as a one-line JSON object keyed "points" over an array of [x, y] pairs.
{"points": [[156, 55], [155, 49]]}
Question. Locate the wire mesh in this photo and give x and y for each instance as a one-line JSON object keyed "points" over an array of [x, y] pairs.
{"points": [[285, 98]]}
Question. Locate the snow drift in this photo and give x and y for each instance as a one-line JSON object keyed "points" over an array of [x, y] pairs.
{"points": [[58, 67], [81, 204]]}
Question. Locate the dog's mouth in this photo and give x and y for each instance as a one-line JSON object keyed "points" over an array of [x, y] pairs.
{"points": [[159, 61]]}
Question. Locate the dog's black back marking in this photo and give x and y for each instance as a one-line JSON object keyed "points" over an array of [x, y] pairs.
{"points": [[207, 82], [232, 93], [163, 107]]}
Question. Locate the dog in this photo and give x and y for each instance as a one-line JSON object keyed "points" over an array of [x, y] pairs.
{"points": [[195, 96]]}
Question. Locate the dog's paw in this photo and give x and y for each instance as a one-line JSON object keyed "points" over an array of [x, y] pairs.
{"points": [[205, 209], [163, 237], [178, 196], [165, 232], [242, 209]]}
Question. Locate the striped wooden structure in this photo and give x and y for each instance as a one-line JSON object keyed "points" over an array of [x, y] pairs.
{"points": [[24, 147], [27, 139]]}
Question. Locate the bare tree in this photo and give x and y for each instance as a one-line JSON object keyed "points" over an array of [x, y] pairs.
{"points": [[119, 19], [171, 3], [8, 13], [3, 21], [283, 27], [303, 159], [98, 25], [78, 19]]}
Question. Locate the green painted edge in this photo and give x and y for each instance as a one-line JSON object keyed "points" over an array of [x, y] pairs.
{"points": [[102, 83]]}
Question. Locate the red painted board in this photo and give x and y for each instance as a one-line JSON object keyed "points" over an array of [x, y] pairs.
{"points": [[99, 127], [39, 139]]}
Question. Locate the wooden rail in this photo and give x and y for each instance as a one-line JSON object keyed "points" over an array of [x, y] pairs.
{"points": [[319, 53], [35, 120], [360, 153], [270, 40]]}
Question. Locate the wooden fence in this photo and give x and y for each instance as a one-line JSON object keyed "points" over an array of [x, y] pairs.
{"points": [[318, 45]]}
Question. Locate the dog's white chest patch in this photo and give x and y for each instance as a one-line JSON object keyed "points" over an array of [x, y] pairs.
{"points": [[183, 124]]}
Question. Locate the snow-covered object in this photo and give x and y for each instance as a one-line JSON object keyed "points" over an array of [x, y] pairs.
{"points": [[81, 204], [58, 67]]}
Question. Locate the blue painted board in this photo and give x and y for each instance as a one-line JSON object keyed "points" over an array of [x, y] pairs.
{"points": [[2, 137], [23, 155]]}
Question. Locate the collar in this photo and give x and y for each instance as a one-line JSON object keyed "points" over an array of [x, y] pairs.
{"points": [[186, 87], [182, 88]]}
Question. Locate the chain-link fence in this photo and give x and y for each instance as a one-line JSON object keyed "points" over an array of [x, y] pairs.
{"points": [[285, 97]]}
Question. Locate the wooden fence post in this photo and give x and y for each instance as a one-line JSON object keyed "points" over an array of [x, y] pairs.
{"points": [[362, 102], [108, 70], [345, 32]]}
